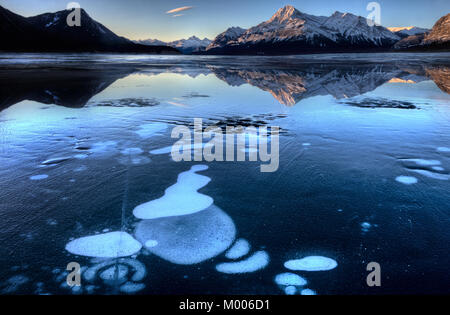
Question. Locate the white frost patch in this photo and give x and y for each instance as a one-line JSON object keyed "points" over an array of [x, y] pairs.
{"points": [[290, 279], [179, 199], [239, 249], [39, 177], [423, 162], [149, 130], [257, 261], [438, 168], [189, 239], [132, 151], [407, 180], [306, 144], [311, 263], [432, 175], [443, 149], [109, 245], [308, 292]]}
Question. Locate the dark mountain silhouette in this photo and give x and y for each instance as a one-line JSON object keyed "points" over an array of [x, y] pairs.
{"points": [[50, 32]]}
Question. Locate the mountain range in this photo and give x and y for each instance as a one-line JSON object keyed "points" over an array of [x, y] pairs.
{"points": [[50, 32], [187, 46], [288, 31]]}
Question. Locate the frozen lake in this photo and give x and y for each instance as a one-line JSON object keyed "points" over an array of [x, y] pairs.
{"points": [[86, 177]]}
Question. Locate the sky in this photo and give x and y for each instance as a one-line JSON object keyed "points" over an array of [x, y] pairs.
{"points": [[169, 20]]}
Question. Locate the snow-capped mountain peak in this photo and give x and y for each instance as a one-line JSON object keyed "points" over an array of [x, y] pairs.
{"points": [[291, 31], [285, 13]]}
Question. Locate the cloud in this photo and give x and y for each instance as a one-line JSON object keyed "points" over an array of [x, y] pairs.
{"points": [[177, 15], [178, 10]]}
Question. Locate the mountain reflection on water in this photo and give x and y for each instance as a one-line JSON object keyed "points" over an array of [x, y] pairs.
{"points": [[74, 84]]}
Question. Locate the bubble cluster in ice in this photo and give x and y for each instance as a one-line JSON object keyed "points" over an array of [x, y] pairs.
{"points": [[179, 199], [108, 245], [290, 279], [311, 263], [239, 249], [188, 239], [255, 262], [407, 180]]}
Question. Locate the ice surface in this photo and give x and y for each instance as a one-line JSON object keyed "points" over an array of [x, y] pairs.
{"points": [[438, 168], [39, 177], [132, 151], [257, 261], [311, 263], [149, 130], [179, 199], [239, 249], [109, 245], [407, 180], [189, 239], [432, 174], [104, 148], [443, 149], [290, 279]]}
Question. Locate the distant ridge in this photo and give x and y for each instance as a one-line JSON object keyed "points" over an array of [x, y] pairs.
{"points": [[49, 32]]}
